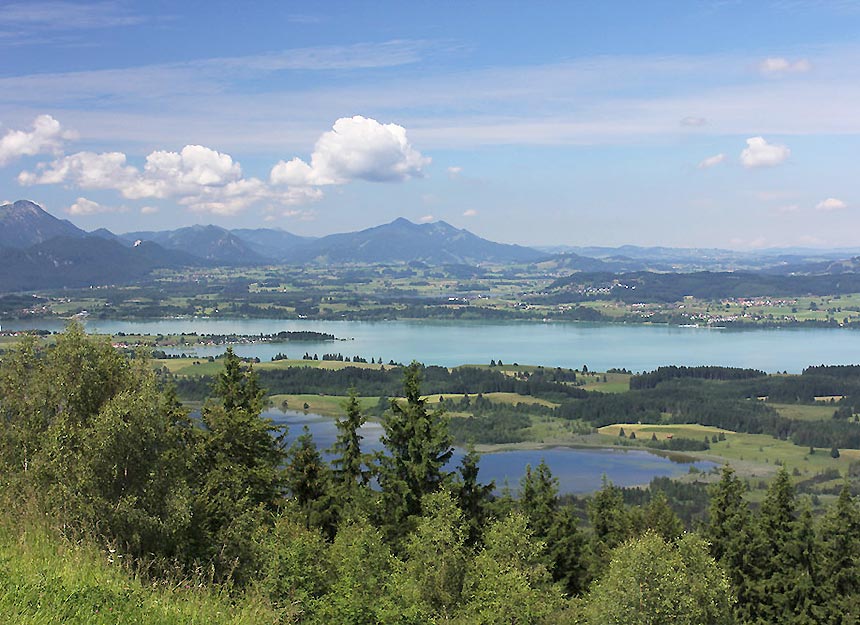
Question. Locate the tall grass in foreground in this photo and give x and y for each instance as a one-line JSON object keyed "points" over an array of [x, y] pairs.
{"points": [[46, 580]]}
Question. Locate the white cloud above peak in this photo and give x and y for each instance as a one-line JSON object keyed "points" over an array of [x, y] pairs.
{"points": [[84, 207], [46, 137], [760, 153], [201, 178], [356, 148]]}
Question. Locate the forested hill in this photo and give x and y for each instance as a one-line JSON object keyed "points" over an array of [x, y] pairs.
{"points": [[673, 287], [83, 261]]}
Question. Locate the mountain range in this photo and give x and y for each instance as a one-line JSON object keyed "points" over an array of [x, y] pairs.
{"points": [[400, 241], [38, 250]]}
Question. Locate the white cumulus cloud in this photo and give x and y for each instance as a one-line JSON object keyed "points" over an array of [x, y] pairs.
{"points": [[200, 178], [356, 148], [83, 207], [760, 153], [780, 65], [194, 167], [831, 204], [205, 180], [471, 212], [426, 219], [88, 170], [165, 174], [46, 137], [148, 210], [711, 161]]}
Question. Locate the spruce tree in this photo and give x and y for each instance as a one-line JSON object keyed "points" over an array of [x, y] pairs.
{"points": [[348, 459], [473, 498], [659, 517], [419, 447], [567, 551], [239, 468], [839, 560], [610, 524], [782, 587], [539, 498], [307, 480]]}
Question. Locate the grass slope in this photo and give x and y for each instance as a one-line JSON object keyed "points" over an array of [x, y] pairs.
{"points": [[44, 580]]}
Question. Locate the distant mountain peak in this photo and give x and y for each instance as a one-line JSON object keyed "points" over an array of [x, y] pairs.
{"points": [[403, 241], [25, 223]]}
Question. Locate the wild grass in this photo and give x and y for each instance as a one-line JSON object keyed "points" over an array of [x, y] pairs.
{"points": [[202, 366], [325, 405], [804, 412], [46, 580]]}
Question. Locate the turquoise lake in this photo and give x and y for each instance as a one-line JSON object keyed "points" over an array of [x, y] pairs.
{"points": [[600, 346]]}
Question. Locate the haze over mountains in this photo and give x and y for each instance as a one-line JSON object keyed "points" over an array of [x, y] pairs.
{"points": [[37, 250]]}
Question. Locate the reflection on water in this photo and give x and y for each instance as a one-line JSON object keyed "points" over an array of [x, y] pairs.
{"points": [[578, 470]]}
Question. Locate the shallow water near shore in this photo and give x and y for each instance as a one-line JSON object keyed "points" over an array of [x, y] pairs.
{"points": [[579, 470]]}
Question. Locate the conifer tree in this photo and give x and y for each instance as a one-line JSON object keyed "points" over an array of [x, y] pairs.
{"points": [[839, 558], [730, 532], [539, 498], [659, 517], [473, 498], [610, 524], [728, 520], [555, 525], [307, 479], [348, 459], [419, 447], [781, 590], [239, 467], [567, 551]]}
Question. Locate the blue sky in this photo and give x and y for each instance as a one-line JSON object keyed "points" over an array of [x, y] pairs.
{"points": [[721, 123]]}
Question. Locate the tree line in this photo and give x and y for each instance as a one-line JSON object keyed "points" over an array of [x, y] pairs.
{"points": [[388, 381]]}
